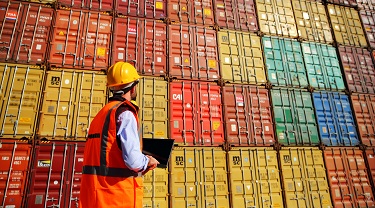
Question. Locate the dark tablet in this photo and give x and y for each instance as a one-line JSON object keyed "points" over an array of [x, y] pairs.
{"points": [[160, 149]]}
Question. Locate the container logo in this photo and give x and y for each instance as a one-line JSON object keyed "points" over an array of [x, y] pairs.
{"points": [[236, 160], [55, 81], [132, 30], [287, 159], [44, 163], [11, 15], [179, 160]]}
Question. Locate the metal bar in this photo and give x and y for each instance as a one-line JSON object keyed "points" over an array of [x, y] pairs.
{"points": [[1, 91], [9, 173], [23, 31], [79, 104], [92, 91], [96, 39], [62, 174], [21, 99], [87, 23], [237, 114], [49, 174], [72, 178], [67, 40], [200, 112], [70, 103], [58, 105], [9, 98]]}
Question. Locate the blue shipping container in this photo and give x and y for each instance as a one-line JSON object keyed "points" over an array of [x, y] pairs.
{"points": [[335, 119]]}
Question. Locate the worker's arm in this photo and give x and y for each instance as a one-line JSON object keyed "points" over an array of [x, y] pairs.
{"points": [[130, 145]]}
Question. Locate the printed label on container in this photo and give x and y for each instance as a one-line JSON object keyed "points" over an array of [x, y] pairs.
{"points": [[11, 15], [132, 30], [159, 5], [215, 125], [100, 52]]}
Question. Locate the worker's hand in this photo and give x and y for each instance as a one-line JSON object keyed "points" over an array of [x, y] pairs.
{"points": [[152, 163]]}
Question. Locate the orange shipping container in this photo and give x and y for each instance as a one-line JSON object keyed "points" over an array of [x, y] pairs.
{"points": [[192, 12], [370, 156], [348, 177], [364, 109]]}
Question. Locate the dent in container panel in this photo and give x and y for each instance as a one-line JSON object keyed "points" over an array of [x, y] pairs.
{"points": [[196, 113], [193, 52], [364, 110], [276, 18], [81, 39], [14, 171], [312, 21], [241, 57], [335, 119], [71, 101], [254, 177], [56, 174], [198, 12], [141, 42], [366, 4], [155, 188], [20, 91], [294, 117], [247, 115], [236, 15], [284, 62], [24, 33], [99, 5], [323, 67], [153, 9], [348, 177], [199, 177], [347, 26], [152, 100], [304, 177], [359, 69]]}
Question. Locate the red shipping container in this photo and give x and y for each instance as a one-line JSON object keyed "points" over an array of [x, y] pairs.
{"points": [[24, 32], [368, 20], [364, 111], [366, 4], [153, 9], [196, 113], [98, 5], [193, 53], [348, 177], [236, 15], [247, 116], [359, 69], [56, 175], [370, 156], [141, 42], [351, 3], [81, 40], [192, 12], [14, 169]]}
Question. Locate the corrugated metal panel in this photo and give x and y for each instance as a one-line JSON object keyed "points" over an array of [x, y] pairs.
{"points": [[43, 1], [241, 57], [351, 3], [154, 9], [312, 21], [284, 62], [347, 26], [294, 117], [24, 32], [20, 90], [56, 175], [193, 52], [192, 12], [322, 65], [71, 101], [348, 178], [153, 102], [335, 119], [199, 178], [141, 42], [236, 15], [99, 5], [155, 188], [304, 178], [364, 110], [81, 40], [196, 113], [370, 156], [14, 170], [247, 115], [254, 178], [368, 20], [359, 69], [366, 4], [276, 17]]}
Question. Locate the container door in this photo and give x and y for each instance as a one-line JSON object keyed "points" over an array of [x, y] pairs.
{"points": [[362, 106]]}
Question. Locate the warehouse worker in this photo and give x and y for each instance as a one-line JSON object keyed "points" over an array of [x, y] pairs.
{"points": [[113, 163]]}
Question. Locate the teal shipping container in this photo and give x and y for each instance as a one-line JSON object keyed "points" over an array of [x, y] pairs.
{"points": [[294, 117], [322, 65], [284, 62]]}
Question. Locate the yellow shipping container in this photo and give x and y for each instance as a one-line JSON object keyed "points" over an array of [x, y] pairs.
{"points": [[254, 177], [241, 58], [71, 101], [199, 178], [153, 103], [304, 178], [312, 21], [20, 91], [155, 188], [347, 26], [276, 18]]}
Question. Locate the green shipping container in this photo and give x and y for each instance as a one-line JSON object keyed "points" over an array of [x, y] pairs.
{"points": [[294, 117], [284, 62]]}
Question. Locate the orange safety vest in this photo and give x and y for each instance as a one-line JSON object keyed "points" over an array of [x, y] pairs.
{"points": [[106, 181]]}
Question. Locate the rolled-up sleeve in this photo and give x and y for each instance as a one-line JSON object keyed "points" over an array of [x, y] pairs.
{"points": [[131, 152]]}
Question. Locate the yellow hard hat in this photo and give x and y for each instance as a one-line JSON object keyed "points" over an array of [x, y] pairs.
{"points": [[121, 73]]}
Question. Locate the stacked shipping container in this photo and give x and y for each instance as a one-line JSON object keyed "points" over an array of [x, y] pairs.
{"points": [[258, 96]]}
